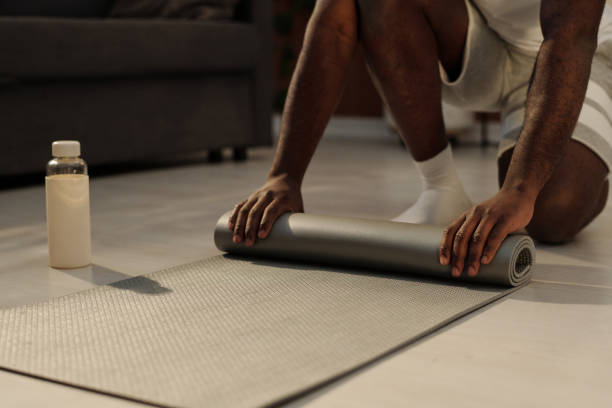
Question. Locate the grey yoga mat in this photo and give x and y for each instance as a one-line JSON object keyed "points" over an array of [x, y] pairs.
{"points": [[378, 244], [232, 332]]}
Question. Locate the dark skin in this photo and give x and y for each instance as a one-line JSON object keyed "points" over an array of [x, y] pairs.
{"points": [[329, 45], [554, 102], [403, 40]]}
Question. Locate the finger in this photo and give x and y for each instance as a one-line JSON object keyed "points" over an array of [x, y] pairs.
{"points": [[232, 219], [447, 240], [494, 240], [461, 242], [479, 237], [254, 218], [243, 214], [270, 215]]}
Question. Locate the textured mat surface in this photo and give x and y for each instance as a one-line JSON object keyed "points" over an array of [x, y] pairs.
{"points": [[227, 332]]}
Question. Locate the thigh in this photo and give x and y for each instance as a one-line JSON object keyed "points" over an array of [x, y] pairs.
{"points": [[404, 23], [580, 170], [449, 21], [594, 126]]}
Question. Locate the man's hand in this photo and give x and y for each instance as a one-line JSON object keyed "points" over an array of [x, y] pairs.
{"points": [[253, 218], [475, 237]]}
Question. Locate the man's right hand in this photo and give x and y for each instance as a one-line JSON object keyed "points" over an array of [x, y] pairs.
{"points": [[253, 218]]}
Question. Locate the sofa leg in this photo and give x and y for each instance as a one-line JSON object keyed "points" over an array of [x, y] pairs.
{"points": [[240, 154], [215, 156]]}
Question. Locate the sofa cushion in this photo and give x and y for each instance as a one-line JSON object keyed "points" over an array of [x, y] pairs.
{"points": [[186, 9], [118, 120], [47, 48], [54, 8]]}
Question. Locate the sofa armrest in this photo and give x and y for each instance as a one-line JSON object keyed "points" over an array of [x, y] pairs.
{"points": [[259, 12]]}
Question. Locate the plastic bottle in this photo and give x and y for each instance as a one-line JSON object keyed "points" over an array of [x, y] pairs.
{"points": [[67, 193]]}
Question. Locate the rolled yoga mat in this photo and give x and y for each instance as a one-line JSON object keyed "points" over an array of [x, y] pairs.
{"points": [[378, 244], [236, 332]]}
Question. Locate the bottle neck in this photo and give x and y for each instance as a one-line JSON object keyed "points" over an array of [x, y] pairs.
{"points": [[66, 165]]}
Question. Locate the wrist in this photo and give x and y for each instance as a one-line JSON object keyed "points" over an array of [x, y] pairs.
{"points": [[524, 190], [286, 176]]}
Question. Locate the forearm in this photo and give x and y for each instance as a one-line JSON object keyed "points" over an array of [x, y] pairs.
{"points": [[316, 86], [554, 102]]}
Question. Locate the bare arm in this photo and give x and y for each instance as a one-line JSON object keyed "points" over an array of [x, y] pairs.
{"points": [[316, 86], [557, 91], [314, 92], [554, 101]]}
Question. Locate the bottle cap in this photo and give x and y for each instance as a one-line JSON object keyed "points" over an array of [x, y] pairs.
{"points": [[66, 148]]}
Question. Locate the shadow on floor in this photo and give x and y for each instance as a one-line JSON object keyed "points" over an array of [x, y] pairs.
{"points": [[100, 275], [142, 284]]}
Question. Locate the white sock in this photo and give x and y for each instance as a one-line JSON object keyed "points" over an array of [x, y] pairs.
{"points": [[443, 198]]}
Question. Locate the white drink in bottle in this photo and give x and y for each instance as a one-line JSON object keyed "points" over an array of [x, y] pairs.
{"points": [[67, 190]]}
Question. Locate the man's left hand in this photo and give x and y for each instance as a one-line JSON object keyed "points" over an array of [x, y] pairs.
{"points": [[475, 237]]}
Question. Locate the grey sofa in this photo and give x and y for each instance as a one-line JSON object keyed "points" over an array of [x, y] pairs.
{"points": [[134, 89]]}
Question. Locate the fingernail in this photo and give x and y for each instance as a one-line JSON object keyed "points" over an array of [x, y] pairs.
{"points": [[472, 271], [236, 239], [230, 226], [248, 242], [484, 260], [455, 272], [443, 260], [261, 234]]}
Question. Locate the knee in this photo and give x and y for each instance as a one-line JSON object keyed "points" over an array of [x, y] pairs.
{"points": [[556, 220], [335, 23], [551, 234], [376, 16]]}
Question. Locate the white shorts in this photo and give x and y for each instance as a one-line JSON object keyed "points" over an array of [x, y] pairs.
{"points": [[495, 78]]}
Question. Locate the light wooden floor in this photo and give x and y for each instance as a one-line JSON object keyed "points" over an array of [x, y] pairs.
{"points": [[549, 344]]}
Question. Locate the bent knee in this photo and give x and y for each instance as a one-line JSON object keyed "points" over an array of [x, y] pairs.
{"points": [[339, 19], [557, 221], [551, 234]]}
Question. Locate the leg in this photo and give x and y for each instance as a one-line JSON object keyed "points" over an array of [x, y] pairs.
{"points": [[575, 194], [403, 40]]}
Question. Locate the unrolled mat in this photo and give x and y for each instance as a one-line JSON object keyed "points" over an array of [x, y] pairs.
{"points": [[231, 331]]}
